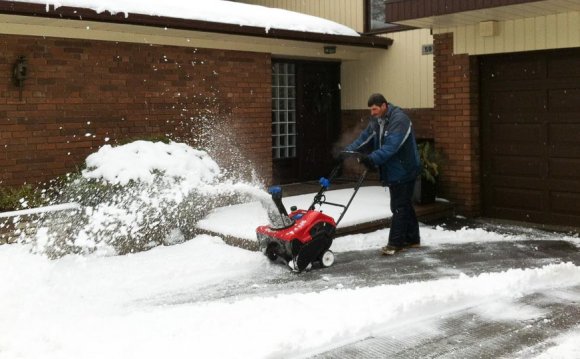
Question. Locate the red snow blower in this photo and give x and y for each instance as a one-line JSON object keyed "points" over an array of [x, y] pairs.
{"points": [[304, 237]]}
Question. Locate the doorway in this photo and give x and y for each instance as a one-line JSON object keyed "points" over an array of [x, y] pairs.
{"points": [[305, 119]]}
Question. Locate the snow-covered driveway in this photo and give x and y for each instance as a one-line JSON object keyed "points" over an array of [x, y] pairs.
{"points": [[466, 293]]}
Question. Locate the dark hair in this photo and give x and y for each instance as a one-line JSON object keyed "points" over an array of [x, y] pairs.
{"points": [[377, 99]]}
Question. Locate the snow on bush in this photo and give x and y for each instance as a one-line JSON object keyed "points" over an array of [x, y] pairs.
{"points": [[141, 160], [137, 196]]}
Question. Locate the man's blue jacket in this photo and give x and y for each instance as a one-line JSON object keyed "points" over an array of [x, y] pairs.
{"points": [[390, 144]]}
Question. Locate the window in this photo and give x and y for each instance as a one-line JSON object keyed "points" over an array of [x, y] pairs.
{"points": [[376, 16], [283, 110]]}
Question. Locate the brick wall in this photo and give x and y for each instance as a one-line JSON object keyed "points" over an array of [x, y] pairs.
{"points": [[79, 92], [457, 125]]}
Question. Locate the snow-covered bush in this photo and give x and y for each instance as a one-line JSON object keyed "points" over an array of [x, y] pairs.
{"points": [[137, 196]]}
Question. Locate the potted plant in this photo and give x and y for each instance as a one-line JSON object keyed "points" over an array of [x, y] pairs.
{"points": [[426, 184]]}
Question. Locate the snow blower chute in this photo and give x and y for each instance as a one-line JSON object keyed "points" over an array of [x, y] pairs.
{"points": [[304, 237]]}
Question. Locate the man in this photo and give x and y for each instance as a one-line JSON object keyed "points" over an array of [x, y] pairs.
{"points": [[389, 143]]}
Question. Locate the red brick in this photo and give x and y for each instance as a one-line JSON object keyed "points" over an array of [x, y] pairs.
{"points": [[129, 90], [456, 114]]}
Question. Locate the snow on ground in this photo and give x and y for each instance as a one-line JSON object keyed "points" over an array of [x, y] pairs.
{"points": [[147, 304], [96, 307], [370, 203], [564, 347], [227, 12], [437, 236]]}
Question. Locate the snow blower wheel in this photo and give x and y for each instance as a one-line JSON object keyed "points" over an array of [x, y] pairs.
{"points": [[327, 259], [272, 252]]}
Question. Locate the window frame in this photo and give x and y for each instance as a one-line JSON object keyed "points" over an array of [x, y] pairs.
{"points": [[288, 149]]}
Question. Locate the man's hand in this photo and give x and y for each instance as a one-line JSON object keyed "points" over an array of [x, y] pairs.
{"points": [[367, 162]]}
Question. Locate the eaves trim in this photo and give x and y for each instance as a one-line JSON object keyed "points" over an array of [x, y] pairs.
{"points": [[72, 13], [401, 10]]}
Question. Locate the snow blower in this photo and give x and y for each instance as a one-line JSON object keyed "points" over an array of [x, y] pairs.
{"points": [[304, 237]]}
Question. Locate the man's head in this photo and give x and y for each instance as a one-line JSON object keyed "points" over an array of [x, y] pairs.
{"points": [[378, 105]]}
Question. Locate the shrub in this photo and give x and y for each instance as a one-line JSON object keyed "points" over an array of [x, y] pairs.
{"points": [[21, 197]]}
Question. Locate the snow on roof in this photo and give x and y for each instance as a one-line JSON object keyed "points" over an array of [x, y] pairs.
{"points": [[218, 11]]}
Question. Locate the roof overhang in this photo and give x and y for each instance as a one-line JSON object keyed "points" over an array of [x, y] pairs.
{"points": [[163, 24], [448, 13]]}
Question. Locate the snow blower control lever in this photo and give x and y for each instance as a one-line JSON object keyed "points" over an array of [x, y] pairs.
{"points": [[303, 237], [320, 198]]}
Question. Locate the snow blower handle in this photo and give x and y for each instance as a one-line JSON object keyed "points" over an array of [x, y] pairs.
{"points": [[325, 182], [343, 155]]}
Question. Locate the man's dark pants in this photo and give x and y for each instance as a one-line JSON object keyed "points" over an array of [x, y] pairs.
{"points": [[404, 226]]}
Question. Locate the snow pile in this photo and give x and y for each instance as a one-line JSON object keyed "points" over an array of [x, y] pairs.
{"points": [[137, 196], [227, 12]]}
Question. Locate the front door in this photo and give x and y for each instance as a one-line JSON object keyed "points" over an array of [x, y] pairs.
{"points": [[305, 119]]}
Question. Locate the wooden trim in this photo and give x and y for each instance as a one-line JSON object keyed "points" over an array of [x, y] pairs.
{"points": [[400, 10], [396, 28], [367, 16], [367, 26], [71, 13]]}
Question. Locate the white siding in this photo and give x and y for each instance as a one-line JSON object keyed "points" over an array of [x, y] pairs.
{"points": [[346, 12], [401, 73], [529, 34]]}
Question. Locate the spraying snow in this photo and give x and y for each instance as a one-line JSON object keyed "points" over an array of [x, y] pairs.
{"points": [[137, 196]]}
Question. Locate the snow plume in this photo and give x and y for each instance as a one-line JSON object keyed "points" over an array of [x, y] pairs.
{"points": [[137, 196]]}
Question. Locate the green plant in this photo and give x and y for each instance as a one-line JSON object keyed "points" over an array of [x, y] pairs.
{"points": [[430, 161], [20, 197]]}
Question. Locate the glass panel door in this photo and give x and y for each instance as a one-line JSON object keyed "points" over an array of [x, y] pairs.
{"points": [[283, 110]]}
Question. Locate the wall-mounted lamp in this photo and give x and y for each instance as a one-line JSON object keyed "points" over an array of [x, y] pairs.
{"points": [[329, 50], [20, 73]]}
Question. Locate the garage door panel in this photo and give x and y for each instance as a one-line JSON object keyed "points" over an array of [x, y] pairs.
{"points": [[519, 101], [518, 166], [517, 183], [516, 139], [564, 139], [518, 198], [565, 169], [565, 203], [519, 149], [517, 68], [567, 117], [517, 132], [564, 99], [563, 65], [521, 215], [531, 136]]}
